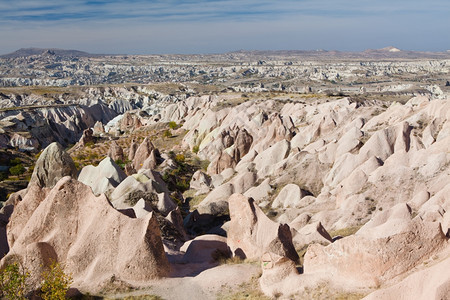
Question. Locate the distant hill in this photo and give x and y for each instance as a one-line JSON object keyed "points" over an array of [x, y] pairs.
{"points": [[376, 54], [24, 52], [384, 53]]}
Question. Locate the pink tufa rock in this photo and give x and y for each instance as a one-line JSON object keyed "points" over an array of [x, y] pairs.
{"points": [[142, 153], [360, 261], [94, 242], [133, 148], [115, 152], [251, 233]]}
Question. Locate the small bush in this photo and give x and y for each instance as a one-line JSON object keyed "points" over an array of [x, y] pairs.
{"points": [[173, 125], [17, 169], [55, 282], [167, 134], [3, 176], [182, 185], [12, 282], [180, 158], [195, 149], [15, 161]]}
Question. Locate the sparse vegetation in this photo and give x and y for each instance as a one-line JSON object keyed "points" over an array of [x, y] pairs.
{"points": [[247, 290], [55, 282], [89, 144], [17, 170], [195, 149], [13, 282], [167, 133], [344, 231], [173, 125]]}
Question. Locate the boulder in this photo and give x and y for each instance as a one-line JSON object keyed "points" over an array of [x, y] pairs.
{"points": [[265, 160], [251, 233], [151, 162], [222, 162], [260, 192], [138, 186], [53, 164], [242, 144], [98, 129]]}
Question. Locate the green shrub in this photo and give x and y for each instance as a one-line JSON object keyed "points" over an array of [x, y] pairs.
{"points": [[3, 176], [180, 158], [167, 134], [15, 161], [173, 125], [182, 185], [195, 149], [12, 282], [55, 283], [17, 169]]}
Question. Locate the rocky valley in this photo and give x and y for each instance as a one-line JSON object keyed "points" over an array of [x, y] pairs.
{"points": [[245, 175]]}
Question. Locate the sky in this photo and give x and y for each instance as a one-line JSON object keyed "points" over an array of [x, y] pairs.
{"points": [[218, 26]]}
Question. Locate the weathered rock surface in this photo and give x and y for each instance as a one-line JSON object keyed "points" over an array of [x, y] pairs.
{"points": [[106, 176], [116, 152], [289, 196], [142, 153], [138, 186], [430, 283], [96, 251], [251, 233], [206, 248], [367, 262], [53, 164]]}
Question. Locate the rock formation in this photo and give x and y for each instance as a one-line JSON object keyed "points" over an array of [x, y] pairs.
{"points": [[53, 164], [251, 233], [97, 251]]}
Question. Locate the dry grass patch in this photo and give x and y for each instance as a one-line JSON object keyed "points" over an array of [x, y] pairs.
{"points": [[344, 231], [194, 200], [248, 290]]}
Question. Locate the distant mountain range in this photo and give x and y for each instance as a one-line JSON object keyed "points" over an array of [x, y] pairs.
{"points": [[384, 53], [24, 52]]}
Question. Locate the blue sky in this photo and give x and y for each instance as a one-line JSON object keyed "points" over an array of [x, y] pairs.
{"points": [[216, 26]]}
